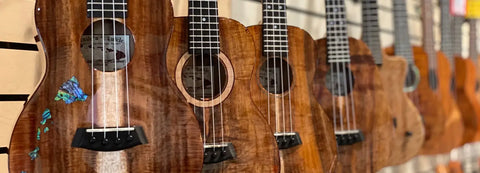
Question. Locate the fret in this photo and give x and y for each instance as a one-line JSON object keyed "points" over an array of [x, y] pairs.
{"points": [[107, 8], [402, 36], [204, 34], [275, 32]]}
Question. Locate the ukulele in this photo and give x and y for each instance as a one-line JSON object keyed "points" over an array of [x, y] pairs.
{"points": [[282, 89], [465, 81], [348, 86], [409, 130], [473, 53], [211, 61], [106, 103], [416, 85], [439, 80]]}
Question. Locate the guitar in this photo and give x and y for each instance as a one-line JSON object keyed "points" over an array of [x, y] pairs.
{"points": [[106, 103], [439, 80], [348, 86], [211, 61], [417, 86], [282, 91], [409, 130]]}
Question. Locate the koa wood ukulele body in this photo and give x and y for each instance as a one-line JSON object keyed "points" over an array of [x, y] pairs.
{"points": [[211, 61], [282, 90], [106, 103], [440, 81], [348, 86], [416, 83], [409, 129]]}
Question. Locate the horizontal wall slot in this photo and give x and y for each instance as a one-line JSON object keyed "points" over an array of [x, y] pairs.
{"points": [[13, 97], [18, 46]]}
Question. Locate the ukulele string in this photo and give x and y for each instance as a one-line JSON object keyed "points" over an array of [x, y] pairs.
{"points": [[270, 28], [285, 26], [342, 23], [203, 71], [103, 74], [115, 67], [210, 52], [127, 59], [217, 44], [274, 52], [337, 63], [92, 66], [278, 37]]}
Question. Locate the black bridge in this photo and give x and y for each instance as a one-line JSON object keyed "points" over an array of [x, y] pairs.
{"points": [[93, 139], [349, 137], [287, 140], [214, 153]]}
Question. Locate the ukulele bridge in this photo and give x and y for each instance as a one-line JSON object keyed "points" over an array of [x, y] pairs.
{"points": [[349, 137], [287, 140], [214, 153], [109, 139]]}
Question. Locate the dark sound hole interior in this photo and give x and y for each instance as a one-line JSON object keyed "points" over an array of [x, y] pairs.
{"points": [[339, 80], [107, 49], [411, 78], [276, 75], [204, 77]]}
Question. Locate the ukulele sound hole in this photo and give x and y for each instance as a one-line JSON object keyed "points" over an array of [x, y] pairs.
{"points": [[412, 79], [204, 77], [340, 81], [107, 47], [276, 75]]}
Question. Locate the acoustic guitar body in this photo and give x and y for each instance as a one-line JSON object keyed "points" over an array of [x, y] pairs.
{"points": [[48, 136], [409, 129], [318, 149], [372, 114], [452, 138], [427, 103], [244, 126], [465, 89]]}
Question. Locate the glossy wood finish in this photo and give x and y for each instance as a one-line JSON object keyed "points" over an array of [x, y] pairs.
{"points": [[373, 115], [174, 142], [409, 129], [427, 103], [454, 128], [244, 125], [465, 89], [319, 147]]}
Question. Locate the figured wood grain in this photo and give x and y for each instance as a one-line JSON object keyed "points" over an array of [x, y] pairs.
{"points": [[467, 102], [244, 125], [318, 149], [372, 114], [174, 137], [409, 129], [427, 103]]}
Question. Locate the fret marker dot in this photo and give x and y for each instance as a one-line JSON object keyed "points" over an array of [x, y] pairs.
{"points": [[280, 7], [204, 19], [335, 10], [275, 26], [269, 7]]}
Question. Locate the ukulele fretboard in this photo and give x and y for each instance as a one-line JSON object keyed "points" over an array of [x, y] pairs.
{"points": [[428, 40], [275, 34], [370, 29], [457, 35], [338, 49], [204, 37], [446, 30], [107, 8], [473, 53], [402, 37]]}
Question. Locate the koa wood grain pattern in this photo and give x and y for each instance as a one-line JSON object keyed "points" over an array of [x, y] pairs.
{"points": [[244, 125], [408, 123], [319, 148], [465, 77], [174, 141], [373, 115], [427, 103]]}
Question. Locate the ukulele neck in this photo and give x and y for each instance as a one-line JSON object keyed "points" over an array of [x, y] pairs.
{"points": [[275, 34], [402, 36], [472, 51], [428, 40], [371, 30], [338, 50], [204, 37], [457, 35], [107, 8]]}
